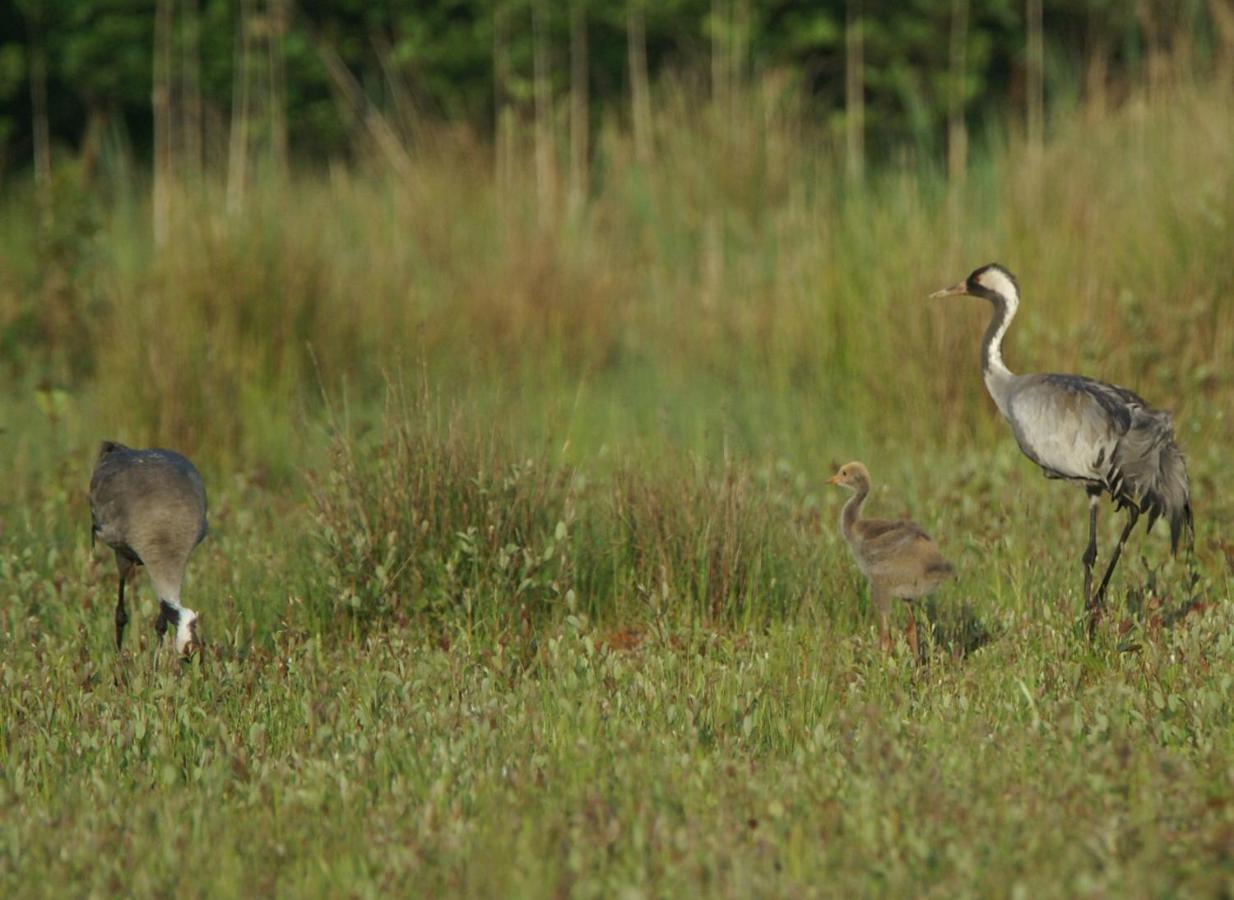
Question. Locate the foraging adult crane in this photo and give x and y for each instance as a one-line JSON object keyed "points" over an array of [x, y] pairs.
{"points": [[1100, 436], [896, 556], [149, 506]]}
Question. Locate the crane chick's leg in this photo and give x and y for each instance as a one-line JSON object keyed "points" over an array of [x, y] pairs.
{"points": [[1097, 601], [1090, 553], [881, 603], [910, 633]]}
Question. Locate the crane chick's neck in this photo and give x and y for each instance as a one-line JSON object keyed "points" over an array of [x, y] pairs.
{"points": [[852, 510]]}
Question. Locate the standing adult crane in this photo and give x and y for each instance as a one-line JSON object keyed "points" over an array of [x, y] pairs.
{"points": [[149, 506], [1100, 436]]}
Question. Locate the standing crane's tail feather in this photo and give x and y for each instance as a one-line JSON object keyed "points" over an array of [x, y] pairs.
{"points": [[1152, 472]]}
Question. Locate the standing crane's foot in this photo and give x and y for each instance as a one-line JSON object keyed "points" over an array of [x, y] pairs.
{"points": [[1091, 618], [1094, 606]]}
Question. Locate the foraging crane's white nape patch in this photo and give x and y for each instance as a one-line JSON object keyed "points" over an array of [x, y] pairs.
{"points": [[149, 506], [1083, 430]]}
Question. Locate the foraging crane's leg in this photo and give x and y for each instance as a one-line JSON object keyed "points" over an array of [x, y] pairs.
{"points": [[1090, 554], [1097, 601], [125, 565]]}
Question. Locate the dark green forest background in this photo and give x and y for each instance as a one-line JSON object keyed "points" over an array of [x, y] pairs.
{"points": [[76, 75]]}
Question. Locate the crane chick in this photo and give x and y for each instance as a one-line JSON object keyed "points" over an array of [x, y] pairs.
{"points": [[149, 506], [896, 556]]}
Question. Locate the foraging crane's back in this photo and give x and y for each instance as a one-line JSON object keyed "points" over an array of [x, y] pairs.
{"points": [[149, 506], [1096, 434]]}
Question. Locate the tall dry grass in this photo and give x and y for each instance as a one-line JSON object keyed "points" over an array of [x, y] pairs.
{"points": [[733, 293]]}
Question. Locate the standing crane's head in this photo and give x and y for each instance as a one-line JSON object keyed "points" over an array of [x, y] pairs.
{"points": [[853, 476], [991, 282]]}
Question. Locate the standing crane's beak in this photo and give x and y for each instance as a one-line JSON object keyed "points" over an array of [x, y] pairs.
{"points": [[954, 290]]}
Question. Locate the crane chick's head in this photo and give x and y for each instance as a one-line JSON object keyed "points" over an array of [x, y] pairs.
{"points": [[853, 476], [991, 282]]}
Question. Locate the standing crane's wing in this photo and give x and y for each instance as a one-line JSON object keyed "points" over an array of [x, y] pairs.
{"points": [[1087, 430], [1071, 426]]}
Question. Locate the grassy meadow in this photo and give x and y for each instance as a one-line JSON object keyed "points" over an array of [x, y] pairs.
{"points": [[522, 577]]}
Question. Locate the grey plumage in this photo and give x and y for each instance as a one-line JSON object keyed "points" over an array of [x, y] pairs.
{"points": [[149, 506], [1079, 429], [1104, 436]]}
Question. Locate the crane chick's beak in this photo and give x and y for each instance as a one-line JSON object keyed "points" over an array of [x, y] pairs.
{"points": [[954, 290], [834, 479]]}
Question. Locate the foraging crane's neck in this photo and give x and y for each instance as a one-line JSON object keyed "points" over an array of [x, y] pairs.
{"points": [[997, 376], [852, 511]]}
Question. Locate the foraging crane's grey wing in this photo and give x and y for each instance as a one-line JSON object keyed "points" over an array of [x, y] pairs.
{"points": [[149, 506]]}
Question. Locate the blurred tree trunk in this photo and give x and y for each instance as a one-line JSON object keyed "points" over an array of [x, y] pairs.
{"points": [[191, 124], [278, 15], [92, 138], [854, 92], [1222, 14], [1096, 70], [160, 103], [739, 53], [357, 107], [957, 130], [546, 176], [503, 125], [1035, 76], [42, 128], [640, 91], [719, 56], [1157, 63], [237, 153], [580, 115]]}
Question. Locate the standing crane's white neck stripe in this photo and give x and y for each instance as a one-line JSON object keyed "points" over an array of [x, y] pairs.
{"points": [[998, 378], [1005, 311]]}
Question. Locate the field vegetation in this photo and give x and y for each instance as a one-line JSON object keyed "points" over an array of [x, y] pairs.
{"points": [[522, 576]]}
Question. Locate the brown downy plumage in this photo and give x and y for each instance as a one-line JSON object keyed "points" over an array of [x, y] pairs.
{"points": [[897, 556]]}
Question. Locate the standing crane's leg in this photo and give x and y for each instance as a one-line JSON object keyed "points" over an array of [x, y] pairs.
{"points": [[1090, 554], [1097, 601]]}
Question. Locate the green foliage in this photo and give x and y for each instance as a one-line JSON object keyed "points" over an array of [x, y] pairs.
{"points": [[440, 60], [573, 617], [436, 522]]}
